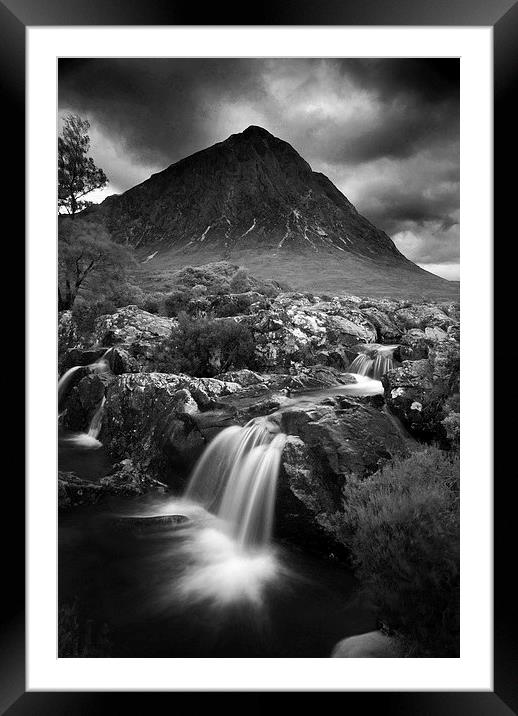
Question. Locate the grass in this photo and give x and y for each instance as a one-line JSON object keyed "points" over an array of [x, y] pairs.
{"points": [[321, 272]]}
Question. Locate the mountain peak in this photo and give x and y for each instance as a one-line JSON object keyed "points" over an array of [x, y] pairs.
{"points": [[255, 130], [251, 191]]}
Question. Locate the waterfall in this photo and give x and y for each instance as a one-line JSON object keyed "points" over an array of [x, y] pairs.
{"points": [[90, 439], [374, 362], [64, 382], [96, 422], [99, 366], [249, 500], [236, 478], [361, 365]]}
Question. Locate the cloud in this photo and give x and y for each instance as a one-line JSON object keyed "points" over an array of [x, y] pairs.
{"points": [[386, 132]]}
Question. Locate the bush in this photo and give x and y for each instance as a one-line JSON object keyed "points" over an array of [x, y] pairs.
{"points": [[177, 302], [240, 281], [153, 302], [403, 532], [234, 305], [207, 346], [85, 313]]}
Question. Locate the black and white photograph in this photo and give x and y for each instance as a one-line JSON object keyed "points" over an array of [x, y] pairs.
{"points": [[258, 310]]}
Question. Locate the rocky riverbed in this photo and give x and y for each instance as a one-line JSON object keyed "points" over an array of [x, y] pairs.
{"points": [[155, 424]]}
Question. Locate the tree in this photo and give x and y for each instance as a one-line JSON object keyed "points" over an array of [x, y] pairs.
{"points": [[77, 173], [87, 260]]}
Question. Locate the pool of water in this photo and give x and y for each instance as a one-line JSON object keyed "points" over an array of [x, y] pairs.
{"points": [[170, 588], [188, 591], [88, 460]]}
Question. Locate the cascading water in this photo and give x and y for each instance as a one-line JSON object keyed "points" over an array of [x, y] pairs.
{"points": [[64, 382], [96, 422], [374, 362], [99, 366], [90, 438], [249, 500], [229, 556], [223, 456], [236, 478]]}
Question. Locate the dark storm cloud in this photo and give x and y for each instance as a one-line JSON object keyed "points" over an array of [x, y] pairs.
{"points": [[386, 132]]}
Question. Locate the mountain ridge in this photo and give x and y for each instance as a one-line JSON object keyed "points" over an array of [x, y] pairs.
{"points": [[250, 196]]}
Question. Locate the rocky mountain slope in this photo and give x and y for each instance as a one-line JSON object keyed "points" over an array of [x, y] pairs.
{"points": [[255, 200]]}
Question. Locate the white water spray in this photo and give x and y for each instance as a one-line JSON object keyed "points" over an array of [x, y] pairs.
{"points": [[374, 362], [222, 458], [236, 479], [249, 500], [99, 366], [90, 439]]}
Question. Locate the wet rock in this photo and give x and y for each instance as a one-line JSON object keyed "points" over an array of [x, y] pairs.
{"points": [[372, 644], [184, 402], [121, 361], [330, 440], [84, 399], [127, 479], [244, 377], [74, 491], [148, 523], [150, 417], [81, 356], [347, 435]]}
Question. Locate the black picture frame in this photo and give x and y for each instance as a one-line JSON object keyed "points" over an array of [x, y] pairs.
{"points": [[502, 15]]}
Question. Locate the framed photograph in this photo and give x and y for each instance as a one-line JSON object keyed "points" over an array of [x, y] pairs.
{"points": [[259, 352]]}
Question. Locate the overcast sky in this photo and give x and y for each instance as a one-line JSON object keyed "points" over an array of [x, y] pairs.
{"points": [[386, 132]]}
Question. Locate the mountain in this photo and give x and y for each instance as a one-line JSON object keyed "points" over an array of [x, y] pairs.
{"points": [[253, 199]]}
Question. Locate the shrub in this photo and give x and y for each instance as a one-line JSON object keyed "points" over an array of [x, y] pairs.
{"points": [[85, 313], [207, 346], [240, 281], [234, 305], [177, 302], [403, 532], [153, 302]]}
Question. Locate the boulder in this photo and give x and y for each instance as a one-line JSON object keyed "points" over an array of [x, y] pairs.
{"points": [[372, 644], [84, 399], [74, 491], [298, 328], [138, 336], [68, 335], [81, 356], [387, 330], [346, 435], [329, 440], [421, 316], [244, 377], [151, 418], [413, 345], [130, 325], [125, 479], [121, 361], [410, 395]]}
